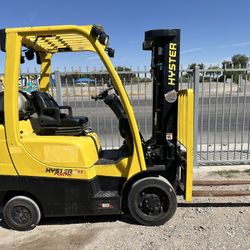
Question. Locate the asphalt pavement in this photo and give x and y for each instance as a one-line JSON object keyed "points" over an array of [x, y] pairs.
{"points": [[220, 116], [223, 123]]}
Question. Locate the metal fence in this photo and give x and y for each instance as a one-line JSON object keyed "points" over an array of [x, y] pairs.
{"points": [[222, 109], [222, 118], [138, 85], [223, 124]]}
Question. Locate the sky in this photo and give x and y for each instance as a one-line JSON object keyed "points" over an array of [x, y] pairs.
{"points": [[211, 31]]}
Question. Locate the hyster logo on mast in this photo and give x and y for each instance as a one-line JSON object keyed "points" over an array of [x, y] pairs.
{"points": [[172, 63]]}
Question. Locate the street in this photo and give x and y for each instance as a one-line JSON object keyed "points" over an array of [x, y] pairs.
{"points": [[211, 115]]}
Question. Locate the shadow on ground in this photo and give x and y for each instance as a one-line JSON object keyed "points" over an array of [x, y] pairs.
{"points": [[2, 223], [79, 220], [87, 219]]}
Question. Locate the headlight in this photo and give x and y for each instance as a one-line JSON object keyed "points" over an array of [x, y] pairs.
{"points": [[104, 39], [29, 54]]}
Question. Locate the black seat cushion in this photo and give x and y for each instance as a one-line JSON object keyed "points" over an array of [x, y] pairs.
{"points": [[52, 120], [43, 100]]}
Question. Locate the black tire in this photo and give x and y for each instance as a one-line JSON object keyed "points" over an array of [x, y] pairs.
{"points": [[21, 213], [152, 201]]}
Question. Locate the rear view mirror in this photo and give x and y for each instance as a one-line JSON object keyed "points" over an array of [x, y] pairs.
{"points": [[111, 52]]}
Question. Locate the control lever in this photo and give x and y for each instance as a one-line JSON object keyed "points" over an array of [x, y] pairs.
{"points": [[102, 95]]}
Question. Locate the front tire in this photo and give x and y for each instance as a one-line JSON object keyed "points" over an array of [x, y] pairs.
{"points": [[152, 201], [21, 213]]}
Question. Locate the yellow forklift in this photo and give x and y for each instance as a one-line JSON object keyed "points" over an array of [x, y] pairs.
{"points": [[52, 164]]}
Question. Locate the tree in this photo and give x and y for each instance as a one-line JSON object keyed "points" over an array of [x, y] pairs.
{"points": [[239, 61], [128, 76], [226, 64], [214, 72], [193, 65]]}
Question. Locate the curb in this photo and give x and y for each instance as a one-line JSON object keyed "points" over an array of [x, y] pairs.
{"points": [[206, 169]]}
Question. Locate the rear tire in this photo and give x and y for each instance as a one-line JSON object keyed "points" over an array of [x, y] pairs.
{"points": [[21, 213], [152, 201]]}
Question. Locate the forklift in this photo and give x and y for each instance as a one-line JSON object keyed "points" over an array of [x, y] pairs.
{"points": [[52, 164]]}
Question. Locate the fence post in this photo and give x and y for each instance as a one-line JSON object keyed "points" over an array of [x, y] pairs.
{"points": [[58, 87], [196, 74]]}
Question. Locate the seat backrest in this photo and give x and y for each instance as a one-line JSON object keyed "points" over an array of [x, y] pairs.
{"points": [[43, 100]]}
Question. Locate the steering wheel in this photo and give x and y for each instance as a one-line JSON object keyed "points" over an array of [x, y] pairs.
{"points": [[102, 95], [115, 108]]}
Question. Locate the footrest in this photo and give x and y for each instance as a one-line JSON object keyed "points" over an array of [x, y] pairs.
{"points": [[106, 194]]}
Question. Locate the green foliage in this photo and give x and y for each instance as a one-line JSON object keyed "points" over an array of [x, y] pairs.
{"points": [[226, 64], [238, 61], [192, 66], [214, 72], [120, 68], [125, 77]]}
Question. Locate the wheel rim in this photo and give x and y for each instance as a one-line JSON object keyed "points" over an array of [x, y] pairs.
{"points": [[152, 202], [21, 215]]}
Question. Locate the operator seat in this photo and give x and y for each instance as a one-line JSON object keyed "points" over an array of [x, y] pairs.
{"points": [[51, 121]]}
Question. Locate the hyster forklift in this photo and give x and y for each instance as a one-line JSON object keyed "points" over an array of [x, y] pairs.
{"points": [[52, 164]]}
